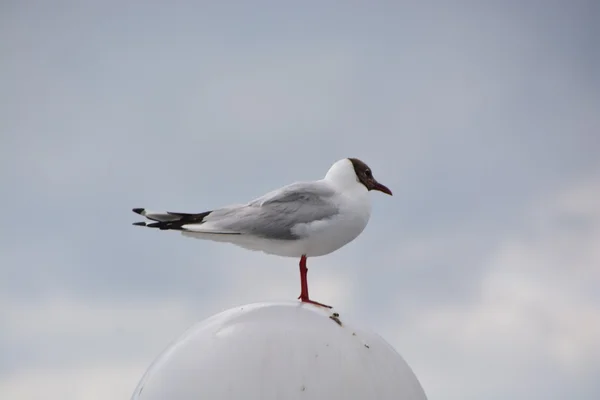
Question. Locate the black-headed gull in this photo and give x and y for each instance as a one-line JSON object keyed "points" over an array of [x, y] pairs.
{"points": [[304, 219]]}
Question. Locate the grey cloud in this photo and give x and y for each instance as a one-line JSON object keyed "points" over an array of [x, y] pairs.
{"points": [[470, 112]]}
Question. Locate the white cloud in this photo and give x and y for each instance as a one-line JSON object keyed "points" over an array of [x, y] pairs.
{"points": [[59, 316], [65, 348], [96, 382], [537, 311]]}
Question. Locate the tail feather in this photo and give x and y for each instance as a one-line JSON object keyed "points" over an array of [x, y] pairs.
{"points": [[165, 220]]}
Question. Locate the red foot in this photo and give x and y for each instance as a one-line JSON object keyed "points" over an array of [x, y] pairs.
{"points": [[316, 303]]}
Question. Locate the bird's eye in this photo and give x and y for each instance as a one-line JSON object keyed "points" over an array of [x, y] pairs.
{"points": [[368, 173]]}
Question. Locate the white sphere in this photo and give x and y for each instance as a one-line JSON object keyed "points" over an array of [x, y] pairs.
{"points": [[281, 351]]}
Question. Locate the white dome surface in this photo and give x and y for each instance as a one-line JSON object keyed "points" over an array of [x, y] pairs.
{"points": [[278, 351]]}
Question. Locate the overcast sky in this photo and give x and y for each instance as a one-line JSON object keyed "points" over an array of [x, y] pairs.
{"points": [[482, 117]]}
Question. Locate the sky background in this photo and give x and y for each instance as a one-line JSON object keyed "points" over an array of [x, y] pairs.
{"points": [[483, 118]]}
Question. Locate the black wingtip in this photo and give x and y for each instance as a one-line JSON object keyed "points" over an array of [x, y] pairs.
{"points": [[138, 210], [139, 223]]}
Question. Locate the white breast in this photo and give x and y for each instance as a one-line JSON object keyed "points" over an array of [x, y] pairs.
{"points": [[327, 236]]}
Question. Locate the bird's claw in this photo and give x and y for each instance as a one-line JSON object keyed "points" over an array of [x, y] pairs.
{"points": [[316, 303]]}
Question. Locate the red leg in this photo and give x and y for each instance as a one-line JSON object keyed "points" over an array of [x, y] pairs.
{"points": [[303, 279], [304, 285]]}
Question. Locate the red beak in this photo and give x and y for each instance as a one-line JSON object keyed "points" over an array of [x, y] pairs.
{"points": [[382, 188]]}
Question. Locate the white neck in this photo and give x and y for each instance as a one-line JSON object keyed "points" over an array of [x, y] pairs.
{"points": [[342, 174], [343, 177]]}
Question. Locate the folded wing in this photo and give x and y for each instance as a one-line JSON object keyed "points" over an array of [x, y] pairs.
{"points": [[275, 215]]}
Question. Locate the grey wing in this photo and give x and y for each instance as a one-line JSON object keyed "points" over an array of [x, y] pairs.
{"points": [[275, 214]]}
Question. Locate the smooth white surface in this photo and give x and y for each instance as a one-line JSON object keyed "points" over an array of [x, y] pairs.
{"points": [[281, 351]]}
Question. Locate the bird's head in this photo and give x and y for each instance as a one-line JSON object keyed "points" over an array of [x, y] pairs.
{"points": [[350, 171], [365, 176]]}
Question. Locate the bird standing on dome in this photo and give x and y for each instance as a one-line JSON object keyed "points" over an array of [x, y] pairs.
{"points": [[304, 219]]}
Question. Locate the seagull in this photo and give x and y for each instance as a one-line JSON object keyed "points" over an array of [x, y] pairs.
{"points": [[303, 219]]}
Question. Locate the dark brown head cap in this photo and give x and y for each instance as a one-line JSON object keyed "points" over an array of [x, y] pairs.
{"points": [[365, 176]]}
